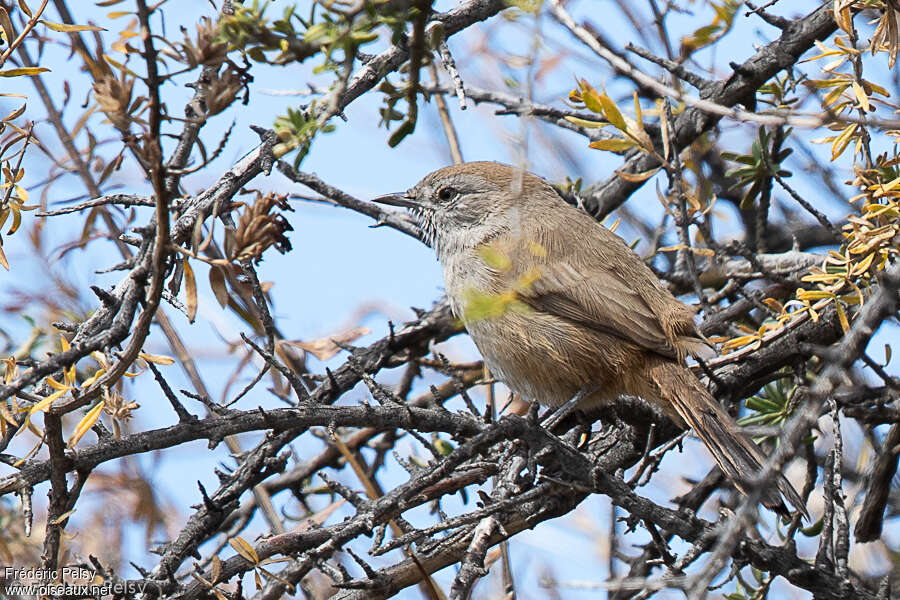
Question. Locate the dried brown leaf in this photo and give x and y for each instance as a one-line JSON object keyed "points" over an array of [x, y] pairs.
{"points": [[190, 290], [7, 26], [217, 283], [243, 548], [325, 348], [637, 177]]}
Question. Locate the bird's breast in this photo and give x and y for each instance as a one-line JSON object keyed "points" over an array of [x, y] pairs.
{"points": [[541, 357]]}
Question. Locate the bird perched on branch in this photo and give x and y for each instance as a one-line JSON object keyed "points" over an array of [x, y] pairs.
{"points": [[561, 308]]}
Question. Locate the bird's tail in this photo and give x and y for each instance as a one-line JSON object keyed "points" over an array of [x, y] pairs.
{"points": [[739, 458]]}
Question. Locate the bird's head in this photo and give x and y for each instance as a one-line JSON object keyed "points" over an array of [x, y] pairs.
{"points": [[463, 205]]}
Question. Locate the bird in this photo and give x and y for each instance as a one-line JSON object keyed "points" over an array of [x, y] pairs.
{"points": [[561, 308]]}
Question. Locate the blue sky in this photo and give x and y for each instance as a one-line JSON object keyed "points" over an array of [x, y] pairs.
{"points": [[340, 267]]}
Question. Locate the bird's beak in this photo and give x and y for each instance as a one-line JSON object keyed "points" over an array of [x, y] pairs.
{"points": [[398, 199]]}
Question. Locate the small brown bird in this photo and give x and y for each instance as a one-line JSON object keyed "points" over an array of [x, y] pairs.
{"points": [[560, 306]]}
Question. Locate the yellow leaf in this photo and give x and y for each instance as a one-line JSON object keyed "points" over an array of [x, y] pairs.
{"points": [[826, 51], [842, 317], [863, 265], [591, 97], [882, 189], [739, 341], [56, 385], [11, 371], [841, 141], [216, 571], [17, 218], [244, 549], [90, 380], [63, 516], [774, 305], [586, 123], [15, 114], [851, 299], [876, 89], [3, 262], [23, 71], [190, 290], [611, 112], [44, 404], [272, 576], [834, 95], [813, 295], [157, 358], [85, 424], [824, 278], [823, 140], [638, 115], [34, 450], [843, 18], [861, 96], [7, 417], [66, 28], [119, 65], [613, 144]]}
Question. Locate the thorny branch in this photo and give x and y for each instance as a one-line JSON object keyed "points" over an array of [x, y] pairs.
{"points": [[511, 473]]}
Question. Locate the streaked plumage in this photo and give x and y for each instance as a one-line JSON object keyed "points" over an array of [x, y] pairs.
{"points": [[557, 303]]}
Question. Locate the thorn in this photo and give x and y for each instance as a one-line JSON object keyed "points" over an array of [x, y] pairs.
{"points": [[106, 298]]}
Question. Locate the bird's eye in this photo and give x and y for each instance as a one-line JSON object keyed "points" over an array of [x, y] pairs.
{"points": [[447, 193]]}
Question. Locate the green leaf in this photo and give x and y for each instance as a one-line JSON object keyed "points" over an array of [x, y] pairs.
{"points": [[405, 129], [763, 404], [814, 529]]}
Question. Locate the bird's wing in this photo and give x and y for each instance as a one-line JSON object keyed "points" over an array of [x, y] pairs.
{"points": [[607, 289], [600, 301]]}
